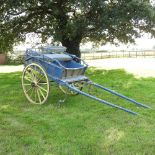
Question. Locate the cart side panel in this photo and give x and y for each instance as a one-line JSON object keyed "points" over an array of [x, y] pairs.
{"points": [[51, 69]]}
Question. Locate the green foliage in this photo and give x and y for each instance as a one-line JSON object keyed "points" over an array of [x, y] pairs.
{"points": [[5, 45], [79, 126], [73, 21], [16, 61]]}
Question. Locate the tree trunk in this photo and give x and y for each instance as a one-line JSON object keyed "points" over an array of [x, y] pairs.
{"points": [[73, 47]]}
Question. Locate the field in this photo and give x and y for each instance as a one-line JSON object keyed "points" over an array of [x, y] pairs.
{"points": [[79, 126]]}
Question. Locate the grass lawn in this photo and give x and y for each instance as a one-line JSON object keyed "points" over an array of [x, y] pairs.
{"points": [[80, 126]]}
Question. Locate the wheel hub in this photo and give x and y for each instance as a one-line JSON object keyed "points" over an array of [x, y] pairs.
{"points": [[34, 84]]}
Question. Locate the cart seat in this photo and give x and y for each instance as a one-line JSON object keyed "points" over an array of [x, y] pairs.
{"points": [[61, 57]]}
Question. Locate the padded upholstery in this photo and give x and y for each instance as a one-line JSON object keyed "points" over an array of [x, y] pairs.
{"points": [[61, 57]]}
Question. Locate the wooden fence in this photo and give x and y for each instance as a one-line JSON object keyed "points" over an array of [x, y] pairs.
{"points": [[117, 54]]}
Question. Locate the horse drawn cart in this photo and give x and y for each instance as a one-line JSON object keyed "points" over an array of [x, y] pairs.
{"points": [[52, 63]]}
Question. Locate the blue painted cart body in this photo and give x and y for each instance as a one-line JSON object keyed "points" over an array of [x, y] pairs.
{"points": [[65, 69]]}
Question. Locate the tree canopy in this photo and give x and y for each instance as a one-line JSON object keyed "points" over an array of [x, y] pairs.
{"points": [[73, 21]]}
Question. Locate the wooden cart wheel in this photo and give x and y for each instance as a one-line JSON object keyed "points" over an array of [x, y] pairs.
{"points": [[35, 83], [66, 90]]}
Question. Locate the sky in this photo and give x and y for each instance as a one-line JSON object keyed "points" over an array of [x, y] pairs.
{"points": [[143, 43]]}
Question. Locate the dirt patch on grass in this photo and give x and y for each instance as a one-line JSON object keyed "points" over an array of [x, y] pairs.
{"points": [[140, 67], [9, 69]]}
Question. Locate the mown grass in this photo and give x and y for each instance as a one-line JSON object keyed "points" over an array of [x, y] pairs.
{"points": [[79, 126]]}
